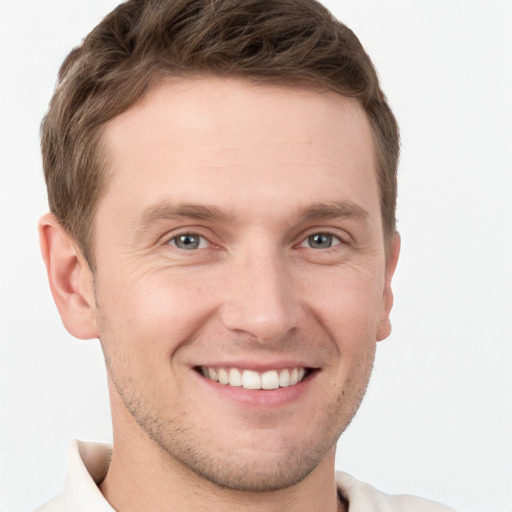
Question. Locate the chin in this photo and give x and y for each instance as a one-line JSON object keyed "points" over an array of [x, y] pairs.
{"points": [[264, 470]]}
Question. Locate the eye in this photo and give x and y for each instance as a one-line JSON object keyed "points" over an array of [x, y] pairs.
{"points": [[321, 241], [188, 242]]}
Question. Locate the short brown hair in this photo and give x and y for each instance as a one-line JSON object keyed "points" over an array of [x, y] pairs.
{"points": [[292, 42]]}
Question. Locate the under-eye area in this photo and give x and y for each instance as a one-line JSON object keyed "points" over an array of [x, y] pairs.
{"points": [[251, 379]]}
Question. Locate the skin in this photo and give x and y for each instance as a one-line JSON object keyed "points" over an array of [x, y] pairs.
{"points": [[255, 172]]}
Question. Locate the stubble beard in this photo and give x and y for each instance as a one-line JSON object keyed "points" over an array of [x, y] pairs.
{"points": [[181, 444]]}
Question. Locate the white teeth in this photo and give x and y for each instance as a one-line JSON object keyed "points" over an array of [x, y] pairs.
{"points": [[223, 376], [250, 379], [270, 380], [235, 377], [284, 378]]}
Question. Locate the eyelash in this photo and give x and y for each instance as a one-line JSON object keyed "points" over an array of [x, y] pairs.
{"points": [[204, 243], [334, 239], [201, 238]]}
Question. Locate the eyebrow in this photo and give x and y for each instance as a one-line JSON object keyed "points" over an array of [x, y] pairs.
{"points": [[335, 210], [318, 211], [166, 211]]}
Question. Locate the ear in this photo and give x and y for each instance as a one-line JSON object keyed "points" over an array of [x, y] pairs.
{"points": [[71, 279], [384, 327]]}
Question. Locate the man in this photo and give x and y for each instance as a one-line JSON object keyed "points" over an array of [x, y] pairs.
{"points": [[222, 185]]}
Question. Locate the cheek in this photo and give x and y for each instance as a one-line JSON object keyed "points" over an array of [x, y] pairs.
{"points": [[154, 310], [348, 305]]}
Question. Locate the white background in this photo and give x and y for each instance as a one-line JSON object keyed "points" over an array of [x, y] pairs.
{"points": [[437, 420]]}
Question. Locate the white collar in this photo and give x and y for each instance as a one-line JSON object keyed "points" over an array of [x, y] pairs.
{"points": [[87, 466]]}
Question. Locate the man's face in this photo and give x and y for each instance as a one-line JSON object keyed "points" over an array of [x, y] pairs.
{"points": [[240, 239]]}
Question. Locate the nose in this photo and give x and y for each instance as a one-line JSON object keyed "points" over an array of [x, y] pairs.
{"points": [[260, 298]]}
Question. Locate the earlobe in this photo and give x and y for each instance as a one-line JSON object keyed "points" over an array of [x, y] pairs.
{"points": [[384, 327], [71, 280]]}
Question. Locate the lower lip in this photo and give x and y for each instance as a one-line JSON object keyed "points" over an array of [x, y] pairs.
{"points": [[262, 398]]}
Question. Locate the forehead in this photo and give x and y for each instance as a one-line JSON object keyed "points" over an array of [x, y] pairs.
{"points": [[234, 142]]}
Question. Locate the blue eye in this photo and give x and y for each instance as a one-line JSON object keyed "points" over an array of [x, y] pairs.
{"points": [[189, 242], [321, 241]]}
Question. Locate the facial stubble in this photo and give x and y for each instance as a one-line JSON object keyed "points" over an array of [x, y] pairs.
{"points": [[248, 469]]}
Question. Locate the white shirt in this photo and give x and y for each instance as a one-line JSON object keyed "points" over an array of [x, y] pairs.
{"points": [[88, 464]]}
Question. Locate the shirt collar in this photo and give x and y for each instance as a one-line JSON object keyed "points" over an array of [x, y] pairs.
{"points": [[87, 467]]}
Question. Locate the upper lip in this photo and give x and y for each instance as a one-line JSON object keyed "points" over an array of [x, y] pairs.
{"points": [[257, 366]]}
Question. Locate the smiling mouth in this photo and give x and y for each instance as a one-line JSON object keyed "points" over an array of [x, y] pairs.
{"points": [[250, 379]]}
